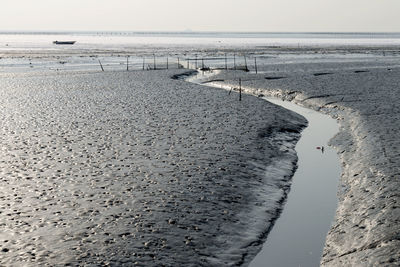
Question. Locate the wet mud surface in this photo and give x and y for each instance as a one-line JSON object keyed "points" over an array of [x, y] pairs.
{"points": [[134, 168], [364, 99]]}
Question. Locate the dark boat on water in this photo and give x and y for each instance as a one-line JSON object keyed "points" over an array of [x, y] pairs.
{"points": [[64, 42]]}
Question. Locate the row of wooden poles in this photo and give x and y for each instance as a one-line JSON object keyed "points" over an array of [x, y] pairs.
{"points": [[196, 63], [144, 63], [203, 67], [235, 66], [226, 67]]}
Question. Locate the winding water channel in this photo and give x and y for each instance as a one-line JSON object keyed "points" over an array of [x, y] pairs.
{"points": [[298, 236]]}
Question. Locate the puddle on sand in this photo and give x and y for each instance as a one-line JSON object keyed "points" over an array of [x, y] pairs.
{"points": [[298, 236]]}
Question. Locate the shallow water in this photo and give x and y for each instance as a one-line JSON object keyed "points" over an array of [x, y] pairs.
{"points": [[23, 52], [298, 237], [91, 40]]}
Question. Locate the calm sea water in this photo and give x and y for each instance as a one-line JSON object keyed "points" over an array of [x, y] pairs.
{"points": [[37, 40], [35, 51]]}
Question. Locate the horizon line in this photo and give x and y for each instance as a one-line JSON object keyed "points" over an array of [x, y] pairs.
{"points": [[195, 31]]}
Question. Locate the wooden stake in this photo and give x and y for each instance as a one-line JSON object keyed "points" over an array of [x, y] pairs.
{"points": [[178, 63], [167, 62], [234, 61], [255, 64], [226, 62], [127, 63], [143, 63], [188, 63], [101, 66], [195, 64], [245, 63], [154, 61], [240, 89]]}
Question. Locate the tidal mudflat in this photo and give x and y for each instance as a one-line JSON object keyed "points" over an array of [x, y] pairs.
{"points": [[363, 98], [308, 213], [128, 168], [309, 209]]}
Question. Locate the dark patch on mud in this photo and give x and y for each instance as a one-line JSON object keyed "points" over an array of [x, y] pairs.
{"points": [[322, 73], [274, 129], [274, 78], [183, 76], [216, 80], [361, 71]]}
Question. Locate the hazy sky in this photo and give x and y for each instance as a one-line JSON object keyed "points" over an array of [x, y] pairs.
{"points": [[200, 15]]}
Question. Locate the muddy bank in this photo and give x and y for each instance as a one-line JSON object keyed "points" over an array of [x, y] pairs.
{"points": [[298, 236], [367, 224], [126, 168]]}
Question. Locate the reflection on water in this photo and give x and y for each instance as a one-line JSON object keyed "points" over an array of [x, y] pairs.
{"points": [[298, 236]]}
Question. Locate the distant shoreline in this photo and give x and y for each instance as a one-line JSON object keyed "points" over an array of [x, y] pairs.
{"points": [[255, 34]]}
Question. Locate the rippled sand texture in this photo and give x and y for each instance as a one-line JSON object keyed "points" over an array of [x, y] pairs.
{"points": [[365, 99], [136, 168]]}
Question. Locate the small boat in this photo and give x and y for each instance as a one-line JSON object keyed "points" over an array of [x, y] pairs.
{"points": [[64, 42]]}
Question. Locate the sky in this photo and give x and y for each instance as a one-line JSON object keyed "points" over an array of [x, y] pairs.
{"points": [[201, 15]]}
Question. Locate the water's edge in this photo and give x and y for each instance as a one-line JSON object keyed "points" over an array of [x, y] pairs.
{"points": [[301, 229], [298, 236]]}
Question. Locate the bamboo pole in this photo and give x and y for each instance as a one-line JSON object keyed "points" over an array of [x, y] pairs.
{"points": [[240, 89], [101, 66]]}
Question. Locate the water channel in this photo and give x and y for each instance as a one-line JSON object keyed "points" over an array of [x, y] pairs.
{"points": [[298, 236]]}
